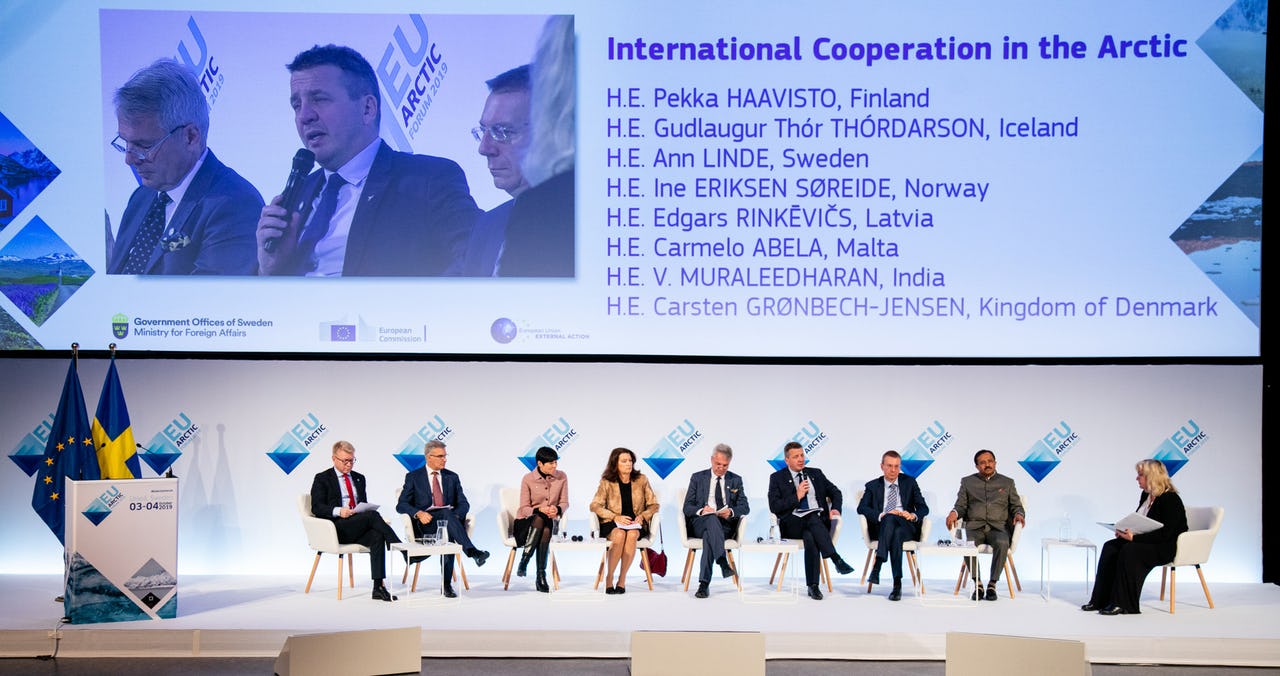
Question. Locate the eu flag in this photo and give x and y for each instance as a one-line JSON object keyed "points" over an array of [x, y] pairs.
{"points": [[112, 433], [67, 454]]}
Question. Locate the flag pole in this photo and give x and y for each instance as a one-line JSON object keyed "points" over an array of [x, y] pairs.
{"points": [[66, 562], [112, 347], [75, 355]]}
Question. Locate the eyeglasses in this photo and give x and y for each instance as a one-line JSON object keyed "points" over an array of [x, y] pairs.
{"points": [[500, 133], [441, 456], [141, 154], [345, 461]]}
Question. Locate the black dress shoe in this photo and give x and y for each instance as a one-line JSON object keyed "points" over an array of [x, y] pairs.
{"points": [[874, 576], [991, 593], [611, 590], [541, 583], [619, 590], [726, 570], [703, 591], [381, 594], [449, 593], [896, 594], [815, 593], [841, 567], [479, 557], [1089, 607], [1113, 610]]}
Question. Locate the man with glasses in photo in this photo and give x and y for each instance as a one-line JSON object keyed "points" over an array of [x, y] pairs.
{"points": [[191, 214], [503, 136], [336, 494], [433, 495]]}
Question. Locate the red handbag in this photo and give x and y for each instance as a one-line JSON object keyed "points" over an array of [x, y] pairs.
{"points": [[657, 559]]}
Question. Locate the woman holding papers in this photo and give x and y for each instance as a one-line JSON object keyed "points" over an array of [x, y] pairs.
{"points": [[544, 495], [625, 503], [1125, 561]]}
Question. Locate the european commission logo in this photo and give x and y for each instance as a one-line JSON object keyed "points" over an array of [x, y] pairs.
{"points": [[1177, 450], [923, 448], [811, 437], [120, 326], [412, 455], [100, 508], [666, 455], [1045, 454], [166, 446], [296, 444], [29, 452], [558, 437]]}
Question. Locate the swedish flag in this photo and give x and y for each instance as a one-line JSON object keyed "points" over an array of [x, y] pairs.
{"points": [[112, 433], [67, 454]]}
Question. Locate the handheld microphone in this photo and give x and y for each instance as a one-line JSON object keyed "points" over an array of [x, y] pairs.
{"points": [[303, 161]]}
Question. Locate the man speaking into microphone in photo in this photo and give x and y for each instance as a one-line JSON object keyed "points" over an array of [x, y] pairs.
{"points": [[368, 210]]}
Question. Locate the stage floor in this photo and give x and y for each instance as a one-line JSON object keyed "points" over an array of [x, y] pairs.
{"points": [[250, 616]]}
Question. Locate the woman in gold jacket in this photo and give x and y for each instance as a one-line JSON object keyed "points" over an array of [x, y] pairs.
{"points": [[625, 503]]}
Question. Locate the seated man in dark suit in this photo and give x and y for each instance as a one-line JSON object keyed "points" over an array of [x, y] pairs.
{"points": [[805, 502], [713, 506], [434, 493], [192, 214], [368, 210], [893, 506], [334, 496]]}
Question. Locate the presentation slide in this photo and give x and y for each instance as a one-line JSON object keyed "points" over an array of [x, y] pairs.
{"points": [[814, 179]]}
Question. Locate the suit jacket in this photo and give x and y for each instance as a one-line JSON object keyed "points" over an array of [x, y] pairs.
{"points": [[416, 494], [413, 220], [326, 495], [607, 503], [485, 243], [217, 219], [909, 497], [782, 493], [698, 496], [993, 502], [540, 239]]}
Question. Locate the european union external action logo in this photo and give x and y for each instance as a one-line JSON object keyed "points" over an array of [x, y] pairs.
{"points": [[1046, 453], [120, 326], [919, 453], [557, 437], [666, 455], [811, 437], [1177, 450], [503, 331], [411, 455], [296, 444]]}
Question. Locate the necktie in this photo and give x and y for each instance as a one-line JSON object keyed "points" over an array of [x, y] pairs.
{"points": [[891, 502], [437, 495], [144, 242], [351, 493], [809, 502], [318, 226], [719, 495]]}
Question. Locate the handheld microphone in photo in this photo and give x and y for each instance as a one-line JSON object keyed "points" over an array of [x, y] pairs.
{"points": [[303, 161]]}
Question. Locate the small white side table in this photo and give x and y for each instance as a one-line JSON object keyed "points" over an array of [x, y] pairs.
{"points": [[414, 549], [1046, 547], [588, 545], [782, 548]]}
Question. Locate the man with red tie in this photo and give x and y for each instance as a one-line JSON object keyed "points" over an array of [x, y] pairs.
{"points": [[435, 493], [335, 494]]}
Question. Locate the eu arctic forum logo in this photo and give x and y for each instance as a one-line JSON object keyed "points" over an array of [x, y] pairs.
{"points": [[1177, 450], [101, 507], [557, 436], [667, 454], [296, 444], [924, 448], [1046, 453]]}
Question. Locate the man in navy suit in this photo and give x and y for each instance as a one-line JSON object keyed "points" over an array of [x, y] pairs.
{"points": [[805, 502], [434, 493], [369, 210], [893, 506], [192, 214], [334, 496], [713, 505]]}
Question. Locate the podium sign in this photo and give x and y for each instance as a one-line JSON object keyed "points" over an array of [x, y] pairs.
{"points": [[122, 550]]}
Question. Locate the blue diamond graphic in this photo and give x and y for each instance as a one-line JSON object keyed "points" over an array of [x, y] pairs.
{"points": [[287, 462], [529, 460], [663, 467], [96, 516], [29, 462], [411, 461], [777, 463], [916, 466], [1172, 465], [1038, 469], [159, 462]]}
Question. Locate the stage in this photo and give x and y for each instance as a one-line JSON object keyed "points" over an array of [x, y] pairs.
{"points": [[250, 616]]}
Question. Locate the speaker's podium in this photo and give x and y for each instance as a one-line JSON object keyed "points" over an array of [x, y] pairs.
{"points": [[122, 550]]}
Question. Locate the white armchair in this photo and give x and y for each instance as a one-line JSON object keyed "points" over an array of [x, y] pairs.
{"points": [[1010, 570], [908, 547], [509, 498], [406, 521], [837, 524], [691, 543], [322, 536], [642, 547], [1194, 547]]}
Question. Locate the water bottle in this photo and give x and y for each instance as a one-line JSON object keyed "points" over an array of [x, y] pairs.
{"points": [[773, 532], [1064, 528]]}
